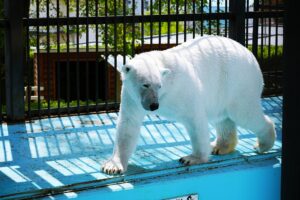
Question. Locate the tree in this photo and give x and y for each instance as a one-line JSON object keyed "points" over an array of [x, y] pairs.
{"points": [[124, 36], [110, 34]]}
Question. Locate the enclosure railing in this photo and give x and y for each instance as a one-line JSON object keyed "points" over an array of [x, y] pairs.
{"points": [[56, 52]]}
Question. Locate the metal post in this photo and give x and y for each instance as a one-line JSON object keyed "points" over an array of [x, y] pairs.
{"points": [[291, 99], [255, 29], [14, 58], [237, 24]]}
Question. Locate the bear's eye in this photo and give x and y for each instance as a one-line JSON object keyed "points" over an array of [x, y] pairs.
{"points": [[146, 85]]}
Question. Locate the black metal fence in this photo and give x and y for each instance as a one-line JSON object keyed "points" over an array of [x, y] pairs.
{"points": [[56, 51]]}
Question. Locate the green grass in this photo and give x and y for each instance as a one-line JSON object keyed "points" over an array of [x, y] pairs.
{"points": [[62, 104], [54, 104]]}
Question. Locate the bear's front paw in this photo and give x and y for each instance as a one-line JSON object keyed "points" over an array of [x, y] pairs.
{"points": [[192, 160], [113, 167]]}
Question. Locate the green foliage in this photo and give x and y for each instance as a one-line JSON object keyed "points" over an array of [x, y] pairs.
{"points": [[114, 36], [163, 6], [163, 28], [269, 58], [263, 53]]}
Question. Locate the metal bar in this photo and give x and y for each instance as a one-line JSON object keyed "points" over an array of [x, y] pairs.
{"points": [[106, 56], [1, 85], [276, 43], [68, 55], [29, 77], [142, 26], [218, 22], [133, 30], [194, 22], [291, 99], [247, 24], [1, 103], [151, 24], [185, 24], [115, 55], [269, 36], [209, 20], [261, 34], [38, 57], [255, 30], [226, 21], [97, 56], [276, 32], [47, 58], [124, 31], [169, 24], [177, 25], [159, 24], [14, 59], [87, 50], [237, 25], [58, 69], [202, 18], [77, 59]]}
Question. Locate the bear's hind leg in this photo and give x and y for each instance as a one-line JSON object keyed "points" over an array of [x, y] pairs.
{"points": [[226, 140], [266, 136], [250, 116]]}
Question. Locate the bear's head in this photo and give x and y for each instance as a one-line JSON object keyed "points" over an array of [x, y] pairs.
{"points": [[144, 77]]}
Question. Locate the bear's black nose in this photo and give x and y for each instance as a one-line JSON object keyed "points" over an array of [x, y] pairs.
{"points": [[154, 106]]}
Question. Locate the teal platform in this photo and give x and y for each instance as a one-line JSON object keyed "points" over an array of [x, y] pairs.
{"points": [[60, 158]]}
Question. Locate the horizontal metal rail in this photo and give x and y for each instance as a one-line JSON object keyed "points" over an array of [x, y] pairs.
{"points": [[145, 18], [127, 19]]}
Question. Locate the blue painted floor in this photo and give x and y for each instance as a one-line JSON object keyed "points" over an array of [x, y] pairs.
{"points": [[63, 155]]}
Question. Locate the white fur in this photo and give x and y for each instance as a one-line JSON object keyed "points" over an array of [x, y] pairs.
{"points": [[207, 79]]}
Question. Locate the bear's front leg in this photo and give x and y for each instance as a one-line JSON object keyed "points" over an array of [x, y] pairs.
{"points": [[199, 135], [128, 128]]}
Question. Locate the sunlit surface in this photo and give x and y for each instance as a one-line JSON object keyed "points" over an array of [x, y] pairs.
{"points": [[64, 155]]}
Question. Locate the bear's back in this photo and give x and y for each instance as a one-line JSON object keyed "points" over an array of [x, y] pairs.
{"points": [[224, 68]]}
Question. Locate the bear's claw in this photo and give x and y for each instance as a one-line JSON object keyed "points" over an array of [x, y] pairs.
{"points": [[192, 160], [183, 161], [112, 167]]}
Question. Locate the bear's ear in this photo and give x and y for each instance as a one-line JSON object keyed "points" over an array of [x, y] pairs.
{"points": [[126, 69], [117, 60], [165, 72]]}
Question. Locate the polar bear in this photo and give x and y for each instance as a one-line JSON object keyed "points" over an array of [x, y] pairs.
{"points": [[209, 79]]}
